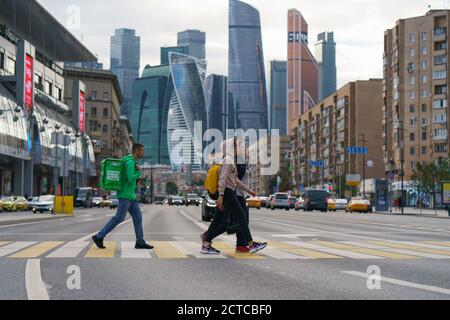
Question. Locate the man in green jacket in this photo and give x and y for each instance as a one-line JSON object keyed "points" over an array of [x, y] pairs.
{"points": [[127, 201]]}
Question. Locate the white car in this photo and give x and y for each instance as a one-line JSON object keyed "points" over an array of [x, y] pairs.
{"points": [[341, 204], [44, 204], [299, 205], [32, 202]]}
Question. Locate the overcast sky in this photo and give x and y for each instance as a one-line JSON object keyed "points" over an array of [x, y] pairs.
{"points": [[358, 25]]}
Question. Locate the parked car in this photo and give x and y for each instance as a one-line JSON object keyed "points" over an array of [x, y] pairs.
{"points": [[280, 201], [98, 202], [299, 204], [9, 204], [208, 209], [316, 200], [22, 203], [254, 203], [331, 205], [32, 202], [193, 199], [269, 202], [292, 202], [264, 201], [176, 201], [84, 197], [341, 204], [44, 204], [359, 205]]}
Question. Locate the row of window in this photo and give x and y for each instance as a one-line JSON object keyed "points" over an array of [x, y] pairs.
{"points": [[440, 31], [94, 95], [95, 126], [94, 112]]}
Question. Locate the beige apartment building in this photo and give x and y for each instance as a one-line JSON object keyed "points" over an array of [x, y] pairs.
{"points": [[103, 122], [415, 85], [351, 117]]}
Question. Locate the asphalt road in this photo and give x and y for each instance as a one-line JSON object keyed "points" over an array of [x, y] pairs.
{"points": [[310, 256]]}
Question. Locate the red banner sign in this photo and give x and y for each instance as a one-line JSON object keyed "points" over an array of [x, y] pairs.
{"points": [[81, 125], [29, 83]]}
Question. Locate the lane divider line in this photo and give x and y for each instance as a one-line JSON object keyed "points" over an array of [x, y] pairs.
{"points": [[34, 284]]}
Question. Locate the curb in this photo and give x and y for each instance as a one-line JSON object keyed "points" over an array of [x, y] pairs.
{"points": [[21, 221], [413, 215]]}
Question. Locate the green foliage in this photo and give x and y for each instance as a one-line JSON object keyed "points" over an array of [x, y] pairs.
{"points": [[171, 188], [427, 176]]}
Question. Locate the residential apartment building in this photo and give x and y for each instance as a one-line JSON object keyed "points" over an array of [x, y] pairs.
{"points": [[415, 85], [323, 134]]}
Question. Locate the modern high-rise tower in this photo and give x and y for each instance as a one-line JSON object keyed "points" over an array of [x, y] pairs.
{"points": [[325, 52], [195, 41], [278, 96], [303, 70], [246, 71], [125, 63], [216, 102]]}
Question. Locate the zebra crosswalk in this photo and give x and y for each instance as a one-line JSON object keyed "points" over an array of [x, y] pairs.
{"points": [[182, 250]]}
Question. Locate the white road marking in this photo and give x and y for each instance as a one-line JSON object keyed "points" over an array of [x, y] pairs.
{"points": [[401, 283], [294, 236], [193, 249], [426, 245], [282, 255], [89, 236], [202, 226], [69, 250], [34, 284], [337, 252], [14, 247], [401, 251], [129, 252]]}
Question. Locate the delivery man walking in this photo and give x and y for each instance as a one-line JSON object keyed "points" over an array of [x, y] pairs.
{"points": [[127, 201]]}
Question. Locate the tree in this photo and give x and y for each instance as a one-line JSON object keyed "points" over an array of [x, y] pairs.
{"points": [[171, 188]]}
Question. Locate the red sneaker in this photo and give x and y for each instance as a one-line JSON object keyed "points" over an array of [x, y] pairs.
{"points": [[242, 250]]}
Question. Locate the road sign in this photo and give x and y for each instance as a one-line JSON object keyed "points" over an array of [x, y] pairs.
{"points": [[358, 150], [316, 164], [353, 180]]}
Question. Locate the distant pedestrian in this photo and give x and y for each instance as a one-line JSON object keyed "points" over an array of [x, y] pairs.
{"points": [[396, 204]]}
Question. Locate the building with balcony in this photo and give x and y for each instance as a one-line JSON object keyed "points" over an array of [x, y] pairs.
{"points": [[348, 118], [415, 92]]}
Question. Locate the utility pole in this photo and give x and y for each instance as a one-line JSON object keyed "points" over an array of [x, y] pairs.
{"points": [[402, 161], [363, 140]]}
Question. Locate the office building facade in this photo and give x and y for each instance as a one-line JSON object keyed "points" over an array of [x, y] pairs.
{"points": [[166, 50], [325, 53], [216, 93], [195, 42], [246, 73], [125, 63], [278, 96]]}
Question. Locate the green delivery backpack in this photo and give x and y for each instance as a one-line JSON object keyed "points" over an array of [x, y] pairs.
{"points": [[111, 177]]}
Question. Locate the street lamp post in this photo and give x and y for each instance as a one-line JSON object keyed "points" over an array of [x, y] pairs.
{"points": [[399, 124], [363, 140]]}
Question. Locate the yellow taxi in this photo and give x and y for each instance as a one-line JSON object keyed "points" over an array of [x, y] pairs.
{"points": [[1, 205], [359, 205], [254, 203], [331, 205], [9, 204], [22, 203]]}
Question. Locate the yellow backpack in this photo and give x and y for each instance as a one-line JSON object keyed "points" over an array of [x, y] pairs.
{"points": [[212, 181]]}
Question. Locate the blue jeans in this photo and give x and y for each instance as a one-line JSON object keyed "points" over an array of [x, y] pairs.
{"points": [[124, 207]]}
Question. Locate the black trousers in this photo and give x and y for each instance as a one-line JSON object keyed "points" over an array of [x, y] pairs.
{"points": [[236, 210]]}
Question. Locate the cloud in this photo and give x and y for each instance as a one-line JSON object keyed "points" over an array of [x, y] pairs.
{"points": [[359, 26]]}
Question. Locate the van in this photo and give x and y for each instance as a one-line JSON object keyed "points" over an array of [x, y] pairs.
{"points": [[84, 197], [316, 200]]}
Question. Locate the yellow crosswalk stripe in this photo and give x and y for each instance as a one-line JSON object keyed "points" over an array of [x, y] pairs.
{"points": [[302, 251], [37, 250], [230, 251], [4, 243], [410, 247], [165, 250], [107, 253], [372, 252], [442, 244]]}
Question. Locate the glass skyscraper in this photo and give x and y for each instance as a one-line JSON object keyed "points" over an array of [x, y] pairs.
{"points": [[151, 100], [216, 102], [278, 96], [187, 106], [246, 71], [125, 63], [166, 50], [195, 41], [325, 52]]}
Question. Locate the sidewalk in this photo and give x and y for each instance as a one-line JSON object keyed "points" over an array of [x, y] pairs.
{"points": [[420, 213], [9, 218]]}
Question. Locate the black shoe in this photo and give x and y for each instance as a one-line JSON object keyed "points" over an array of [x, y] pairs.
{"points": [[143, 246], [98, 242]]}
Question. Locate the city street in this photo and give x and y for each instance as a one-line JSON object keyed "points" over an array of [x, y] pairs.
{"points": [[310, 256]]}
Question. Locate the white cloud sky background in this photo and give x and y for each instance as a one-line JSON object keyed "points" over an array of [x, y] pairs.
{"points": [[358, 25]]}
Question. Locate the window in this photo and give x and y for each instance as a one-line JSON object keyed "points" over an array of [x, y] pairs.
{"points": [[440, 31], [440, 118], [439, 104], [412, 37], [412, 108], [105, 128], [413, 121], [38, 81], [442, 89], [94, 112], [412, 94], [424, 107], [94, 94], [440, 46], [93, 126], [105, 95], [412, 52], [412, 80], [440, 134], [2, 60], [424, 93], [424, 64], [424, 136], [412, 151], [11, 66], [424, 79], [424, 50], [105, 112], [412, 137], [424, 122], [48, 88], [411, 67], [424, 36], [424, 150], [441, 147], [442, 59], [58, 94], [440, 74]]}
